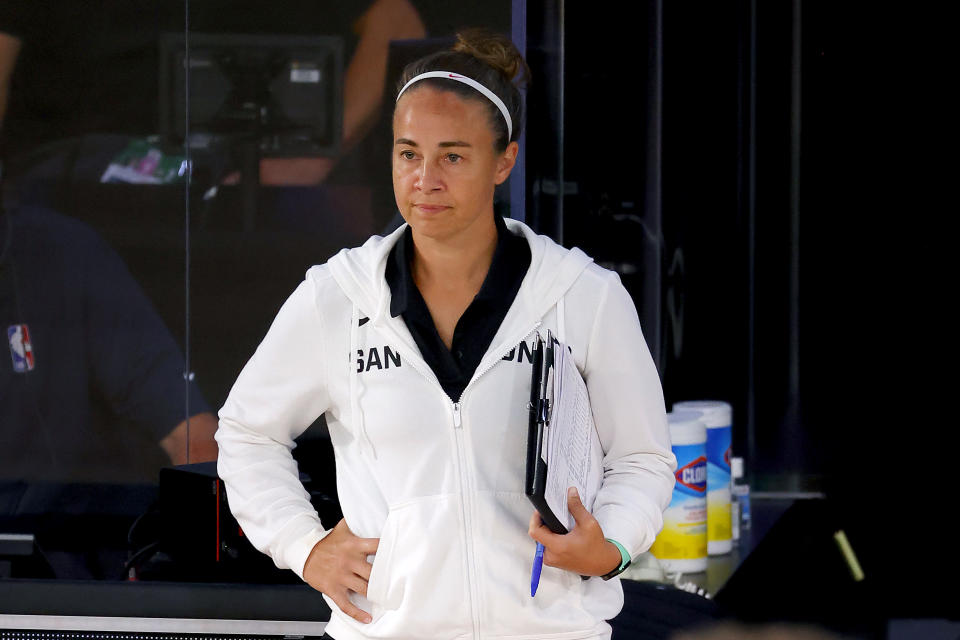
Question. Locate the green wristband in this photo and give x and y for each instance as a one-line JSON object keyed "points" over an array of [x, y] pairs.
{"points": [[625, 560]]}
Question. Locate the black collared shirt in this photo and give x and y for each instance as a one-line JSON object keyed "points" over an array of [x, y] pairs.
{"points": [[479, 323]]}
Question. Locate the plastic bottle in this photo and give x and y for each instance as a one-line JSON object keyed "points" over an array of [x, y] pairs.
{"points": [[681, 546], [736, 471], [718, 417], [740, 495]]}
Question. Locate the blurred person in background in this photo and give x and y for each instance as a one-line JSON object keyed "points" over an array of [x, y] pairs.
{"points": [[92, 389]]}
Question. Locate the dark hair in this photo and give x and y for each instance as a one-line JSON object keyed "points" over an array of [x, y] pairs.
{"points": [[489, 58]]}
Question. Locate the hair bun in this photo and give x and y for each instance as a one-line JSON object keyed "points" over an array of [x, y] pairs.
{"points": [[495, 50]]}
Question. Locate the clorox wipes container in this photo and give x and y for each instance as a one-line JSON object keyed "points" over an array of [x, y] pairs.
{"points": [[718, 416], [681, 546]]}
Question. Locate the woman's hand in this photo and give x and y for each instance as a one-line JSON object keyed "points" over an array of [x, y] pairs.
{"points": [[583, 550], [338, 564]]}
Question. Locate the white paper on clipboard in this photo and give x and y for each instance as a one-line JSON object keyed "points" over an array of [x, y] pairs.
{"points": [[574, 454]]}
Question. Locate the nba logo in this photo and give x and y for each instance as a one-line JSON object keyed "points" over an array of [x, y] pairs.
{"points": [[20, 348]]}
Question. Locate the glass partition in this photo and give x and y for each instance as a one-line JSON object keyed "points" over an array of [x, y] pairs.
{"points": [[170, 171]]}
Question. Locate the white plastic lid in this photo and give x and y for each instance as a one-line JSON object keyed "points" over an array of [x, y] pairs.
{"points": [[736, 467], [687, 427], [716, 413]]}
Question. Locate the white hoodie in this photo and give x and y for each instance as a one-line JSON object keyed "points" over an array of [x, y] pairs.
{"points": [[441, 482]]}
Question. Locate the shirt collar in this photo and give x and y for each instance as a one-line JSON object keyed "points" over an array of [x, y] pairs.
{"points": [[510, 261], [511, 257], [398, 274]]}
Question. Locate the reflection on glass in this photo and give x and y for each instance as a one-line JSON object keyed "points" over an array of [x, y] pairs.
{"points": [[91, 299], [94, 390]]}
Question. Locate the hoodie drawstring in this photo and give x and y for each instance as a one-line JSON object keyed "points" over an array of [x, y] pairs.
{"points": [[355, 411]]}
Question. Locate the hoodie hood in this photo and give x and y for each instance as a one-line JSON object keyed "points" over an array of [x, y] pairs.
{"points": [[553, 269]]}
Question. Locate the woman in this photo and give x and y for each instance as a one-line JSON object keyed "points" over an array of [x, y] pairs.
{"points": [[413, 346]]}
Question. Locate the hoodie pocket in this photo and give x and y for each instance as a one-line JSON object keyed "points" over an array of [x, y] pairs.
{"points": [[506, 607], [418, 583]]}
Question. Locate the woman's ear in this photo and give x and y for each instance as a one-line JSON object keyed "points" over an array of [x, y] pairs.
{"points": [[505, 163]]}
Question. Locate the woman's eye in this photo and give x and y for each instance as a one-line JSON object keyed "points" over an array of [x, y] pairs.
{"points": [[407, 155], [454, 157]]}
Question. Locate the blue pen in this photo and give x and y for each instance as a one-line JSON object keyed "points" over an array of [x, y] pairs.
{"points": [[537, 566]]}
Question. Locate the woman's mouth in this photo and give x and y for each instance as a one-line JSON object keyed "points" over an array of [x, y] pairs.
{"points": [[431, 208]]}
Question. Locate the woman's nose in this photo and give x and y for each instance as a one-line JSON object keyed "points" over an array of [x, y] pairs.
{"points": [[428, 177]]}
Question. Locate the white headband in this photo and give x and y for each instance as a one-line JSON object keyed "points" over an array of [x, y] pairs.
{"points": [[470, 82]]}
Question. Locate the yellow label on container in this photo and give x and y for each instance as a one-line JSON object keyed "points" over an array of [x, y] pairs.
{"points": [[679, 542], [718, 515], [684, 534]]}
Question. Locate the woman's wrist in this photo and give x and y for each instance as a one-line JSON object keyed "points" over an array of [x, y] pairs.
{"points": [[622, 559], [611, 557]]}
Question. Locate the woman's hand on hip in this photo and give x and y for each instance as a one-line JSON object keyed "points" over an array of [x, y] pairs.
{"points": [[338, 564], [583, 550]]}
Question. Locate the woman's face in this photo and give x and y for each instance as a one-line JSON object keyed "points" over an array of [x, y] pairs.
{"points": [[445, 166]]}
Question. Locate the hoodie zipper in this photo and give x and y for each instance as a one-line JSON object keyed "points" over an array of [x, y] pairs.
{"points": [[466, 503], [466, 486], [457, 422], [465, 511]]}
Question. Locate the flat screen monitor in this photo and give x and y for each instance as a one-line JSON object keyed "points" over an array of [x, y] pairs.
{"points": [[284, 91]]}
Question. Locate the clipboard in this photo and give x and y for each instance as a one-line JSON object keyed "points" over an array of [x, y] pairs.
{"points": [[541, 383]]}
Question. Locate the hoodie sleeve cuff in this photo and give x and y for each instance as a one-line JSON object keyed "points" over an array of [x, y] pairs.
{"points": [[635, 536], [295, 556]]}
